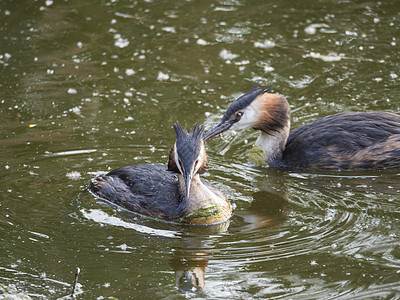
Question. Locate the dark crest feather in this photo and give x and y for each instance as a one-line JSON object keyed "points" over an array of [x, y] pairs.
{"points": [[194, 134], [245, 100], [188, 145]]}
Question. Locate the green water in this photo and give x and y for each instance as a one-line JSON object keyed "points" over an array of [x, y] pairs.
{"points": [[88, 86]]}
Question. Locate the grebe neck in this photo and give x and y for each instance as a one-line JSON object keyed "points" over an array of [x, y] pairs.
{"points": [[273, 120], [206, 204], [269, 147]]}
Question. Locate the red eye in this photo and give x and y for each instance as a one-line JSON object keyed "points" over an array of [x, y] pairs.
{"points": [[239, 114], [196, 162]]}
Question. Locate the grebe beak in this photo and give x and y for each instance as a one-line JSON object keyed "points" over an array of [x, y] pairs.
{"points": [[221, 127], [188, 180]]}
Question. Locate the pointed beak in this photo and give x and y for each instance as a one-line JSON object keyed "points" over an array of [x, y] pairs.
{"points": [[188, 180], [221, 127]]}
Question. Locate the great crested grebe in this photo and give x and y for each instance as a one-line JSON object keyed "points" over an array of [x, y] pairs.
{"points": [[173, 192], [358, 140]]}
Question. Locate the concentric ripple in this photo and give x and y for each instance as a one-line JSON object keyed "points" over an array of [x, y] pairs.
{"points": [[318, 234], [311, 235]]}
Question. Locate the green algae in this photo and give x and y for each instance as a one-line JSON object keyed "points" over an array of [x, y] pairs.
{"points": [[217, 213], [257, 155]]}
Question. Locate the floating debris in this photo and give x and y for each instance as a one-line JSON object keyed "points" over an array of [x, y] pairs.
{"points": [[10, 292], [4, 57], [265, 44], [72, 91], [74, 175], [76, 110], [120, 42], [130, 72], [313, 263], [77, 271], [169, 29], [162, 76], [268, 69], [201, 42], [227, 55], [312, 29], [125, 16], [322, 57]]}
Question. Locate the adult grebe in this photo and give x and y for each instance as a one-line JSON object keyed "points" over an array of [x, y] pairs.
{"points": [[172, 192], [361, 140]]}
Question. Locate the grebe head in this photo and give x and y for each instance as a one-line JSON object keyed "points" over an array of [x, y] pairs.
{"points": [[256, 109], [188, 155]]}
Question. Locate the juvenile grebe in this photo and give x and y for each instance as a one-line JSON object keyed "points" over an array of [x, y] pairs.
{"points": [[172, 192], [361, 140]]}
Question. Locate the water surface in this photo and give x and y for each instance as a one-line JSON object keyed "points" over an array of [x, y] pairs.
{"points": [[86, 87]]}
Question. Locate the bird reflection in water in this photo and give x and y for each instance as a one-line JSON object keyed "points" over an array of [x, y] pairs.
{"points": [[189, 261], [189, 264]]}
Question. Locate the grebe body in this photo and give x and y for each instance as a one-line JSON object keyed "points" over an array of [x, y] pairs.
{"points": [[359, 140], [173, 192]]}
